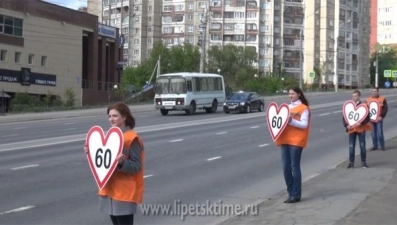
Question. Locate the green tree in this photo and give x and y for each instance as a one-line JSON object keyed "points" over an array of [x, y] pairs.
{"points": [[180, 58], [320, 73], [387, 61], [235, 63]]}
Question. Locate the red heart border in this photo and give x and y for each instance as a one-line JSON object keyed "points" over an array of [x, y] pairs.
{"points": [[355, 109], [377, 103], [278, 109], [104, 140]]}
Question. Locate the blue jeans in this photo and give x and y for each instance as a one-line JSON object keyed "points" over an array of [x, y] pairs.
{"points": [[291, 159], [377, 134], [352, 146]]}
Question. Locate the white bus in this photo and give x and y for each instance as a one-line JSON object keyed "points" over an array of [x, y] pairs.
{"points": [[189, 92]]}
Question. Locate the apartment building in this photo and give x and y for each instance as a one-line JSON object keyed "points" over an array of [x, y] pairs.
{"points": [[349, 20], [386, 23], [143, 17], [290, 37], [237, 22]]}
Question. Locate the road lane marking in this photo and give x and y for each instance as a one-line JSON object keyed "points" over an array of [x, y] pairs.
{"points": [[221, 133], [177, 140], [20, 128], [337, 111], [18, 209], [254, 127], [69, 123], [147, 176], [24, 167], [71, 129], [214, 158], [260, 146], [9, 135], [145, 129], [325, 114]]}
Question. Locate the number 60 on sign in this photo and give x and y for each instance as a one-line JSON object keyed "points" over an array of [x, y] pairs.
{"points": [[103, 151]]}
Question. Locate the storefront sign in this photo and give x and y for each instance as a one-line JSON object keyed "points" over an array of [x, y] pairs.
{"points": [[26, 77], [106, 31]]}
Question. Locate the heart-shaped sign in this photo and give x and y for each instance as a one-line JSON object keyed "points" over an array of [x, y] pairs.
{"points": [[354, 114], [103, 151], [374, 109], [277, 118]]}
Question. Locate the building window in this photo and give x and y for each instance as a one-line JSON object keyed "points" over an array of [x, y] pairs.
{"points": [[31, 59], [10, 25], [17, 57], [43, 60], [3, 55]]}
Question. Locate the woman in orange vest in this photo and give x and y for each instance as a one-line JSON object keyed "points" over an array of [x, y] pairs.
{"points": [[292, 141], [124, 190]]}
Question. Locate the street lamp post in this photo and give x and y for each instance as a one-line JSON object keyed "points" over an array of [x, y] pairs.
{"points": [[300, 58]]}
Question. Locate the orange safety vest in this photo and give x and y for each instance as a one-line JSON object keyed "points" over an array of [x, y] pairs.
{"points": [[361, 128], [380, 101], [293, 135], [124, 186]]}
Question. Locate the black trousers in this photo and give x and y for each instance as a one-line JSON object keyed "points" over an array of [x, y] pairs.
{"points": [[123, 220]]}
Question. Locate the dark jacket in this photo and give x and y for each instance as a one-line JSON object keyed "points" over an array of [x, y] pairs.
{"points": [[384, 109]]}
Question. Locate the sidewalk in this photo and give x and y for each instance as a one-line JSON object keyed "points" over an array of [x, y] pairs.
{"points": [[339, 197], [102, 111]]}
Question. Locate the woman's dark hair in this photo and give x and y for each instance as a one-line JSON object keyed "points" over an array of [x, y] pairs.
{"points": [[301, 95], [124, 111]]}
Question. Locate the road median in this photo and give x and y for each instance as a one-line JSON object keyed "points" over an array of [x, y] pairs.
{"points": [[23, 117]]}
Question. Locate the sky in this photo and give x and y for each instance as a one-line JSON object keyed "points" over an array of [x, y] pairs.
{"points": [[73, 4]]}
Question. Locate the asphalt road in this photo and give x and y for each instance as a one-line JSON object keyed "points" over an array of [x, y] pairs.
{"points": [[35, 130], [234, 161]]}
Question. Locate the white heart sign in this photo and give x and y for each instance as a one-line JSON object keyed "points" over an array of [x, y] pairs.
{"points": [[277, 119], [103, 151], [374, 109], [354, 114]]}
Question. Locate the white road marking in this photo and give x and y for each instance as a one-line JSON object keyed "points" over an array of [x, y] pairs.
{"points": [[210, 159], [9, 135], [71, 129], [337, 111], [260, 146], [324, 114], [20, 128], [18, 209], [69, 123], [177, 140], [254, 127], [146, 176], [221, 133], [24, 167], [81, 137]]}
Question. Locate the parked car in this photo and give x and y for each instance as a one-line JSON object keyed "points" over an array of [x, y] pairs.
{"points": [[244, 102]]}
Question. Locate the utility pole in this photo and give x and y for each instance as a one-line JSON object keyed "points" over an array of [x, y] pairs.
{"points": [[376, 70], [130, 34], [110, 14], [203, 37], [300, 59]]}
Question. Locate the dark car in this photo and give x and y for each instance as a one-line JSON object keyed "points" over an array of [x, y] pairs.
{"points": [[244, 102]]}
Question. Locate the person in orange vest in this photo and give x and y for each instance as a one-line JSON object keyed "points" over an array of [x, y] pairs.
{"points": [[377, 127], [124, 190], [357, 131], [292, 142]]}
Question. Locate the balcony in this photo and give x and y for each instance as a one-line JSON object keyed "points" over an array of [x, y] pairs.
{"points": [[252, 5], [216, 5], [293, 3]]}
